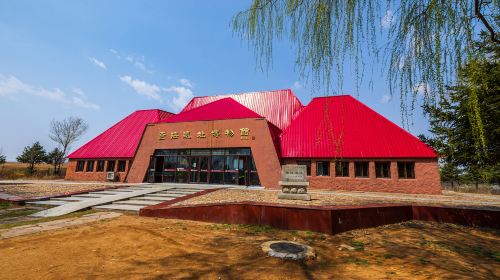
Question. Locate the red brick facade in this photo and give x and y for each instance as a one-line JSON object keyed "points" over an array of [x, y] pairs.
{"points": [[94, 175], [427, 179], [259, 141]]}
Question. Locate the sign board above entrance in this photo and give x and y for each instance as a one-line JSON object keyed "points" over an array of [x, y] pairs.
{"points": [[216, 133]]}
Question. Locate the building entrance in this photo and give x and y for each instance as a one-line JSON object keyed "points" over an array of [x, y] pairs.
{"points": [[202, 166]]}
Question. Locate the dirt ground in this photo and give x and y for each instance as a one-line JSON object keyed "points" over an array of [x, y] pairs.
{"points": [[334, 198], [132, 247]]}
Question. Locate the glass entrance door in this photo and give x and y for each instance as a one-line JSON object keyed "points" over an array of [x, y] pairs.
{"points": [[233, 166], [199, 169]]}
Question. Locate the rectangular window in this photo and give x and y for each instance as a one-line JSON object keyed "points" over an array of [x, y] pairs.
{"points": [[100, 166], [383, 169], [361, 169], [90, 166], [322, 168], [307, 163], [406, 170], [121, 165], [342, 169], [79, 165], [111, 166]]}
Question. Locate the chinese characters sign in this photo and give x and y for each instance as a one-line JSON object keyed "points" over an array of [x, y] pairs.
{"points": [[216, 133]]}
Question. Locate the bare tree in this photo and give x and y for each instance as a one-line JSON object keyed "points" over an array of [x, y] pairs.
{"points": [[67, 132]]}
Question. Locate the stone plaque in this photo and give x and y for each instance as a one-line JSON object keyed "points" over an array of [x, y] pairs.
{"points": [[294, 173], [294, 182]]}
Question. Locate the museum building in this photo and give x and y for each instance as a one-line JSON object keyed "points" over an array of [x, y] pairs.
{"points": [[244, 139]]}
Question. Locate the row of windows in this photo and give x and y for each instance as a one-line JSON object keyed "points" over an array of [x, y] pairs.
{"points": [[406, 170], [80, 164]]}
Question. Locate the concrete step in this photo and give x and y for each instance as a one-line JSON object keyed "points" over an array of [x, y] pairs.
{"points": [[186, 190], [179, 193], [165, 195], [153, 198], [122, 190], [137, 202], [87, 195], [70, 198], [47, 202], [104, 193], [119, 207]]}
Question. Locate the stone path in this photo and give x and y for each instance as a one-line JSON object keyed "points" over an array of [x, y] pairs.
{"points": [[58, 224], [75, 203], [130, 199]]}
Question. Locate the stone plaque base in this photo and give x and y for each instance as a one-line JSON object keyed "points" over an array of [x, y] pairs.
{"points": [[294, 196]]}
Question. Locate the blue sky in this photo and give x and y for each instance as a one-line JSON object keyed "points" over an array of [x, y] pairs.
{"points": [[101, 60]]}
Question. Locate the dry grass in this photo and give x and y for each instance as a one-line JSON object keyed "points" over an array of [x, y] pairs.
{"points": [[16, 170]]}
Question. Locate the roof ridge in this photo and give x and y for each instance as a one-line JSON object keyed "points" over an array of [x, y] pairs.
{"points": [[246, 92]]}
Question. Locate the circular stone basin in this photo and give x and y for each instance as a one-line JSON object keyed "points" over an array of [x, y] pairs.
{"points": [[288, 250]]}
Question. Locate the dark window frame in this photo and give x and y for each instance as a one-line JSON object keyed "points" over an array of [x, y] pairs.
{"points": [[307, 163], [90, 166], [357, 164], [108, 165], [321, 169], [100, 165], [80, 166], [121, 168], [381, 170], [340, 167], [406, 169]]}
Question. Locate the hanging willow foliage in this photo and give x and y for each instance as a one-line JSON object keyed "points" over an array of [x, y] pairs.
{"points": [[426, 43]]}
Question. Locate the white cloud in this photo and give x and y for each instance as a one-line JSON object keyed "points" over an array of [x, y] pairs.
{"points": [[388, 19], [81, 100], [297, 85], [12, 86], [184, 94], [97, 62], [186, 83], [138, 62], [142, 87], [386, 98]]}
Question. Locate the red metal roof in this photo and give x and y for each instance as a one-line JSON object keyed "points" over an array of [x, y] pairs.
{"points": [[341, 126], [279, 107], [222, 109], [121, 140]]}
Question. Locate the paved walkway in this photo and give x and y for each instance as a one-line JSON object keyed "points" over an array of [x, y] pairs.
{"points": [[57, 224], [96, 198]]}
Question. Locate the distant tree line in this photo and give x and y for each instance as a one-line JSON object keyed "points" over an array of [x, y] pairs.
{"points": [[64, 133], [455, 122]]}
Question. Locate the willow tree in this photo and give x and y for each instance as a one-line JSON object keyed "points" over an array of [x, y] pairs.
{"points": [[420, 51]]}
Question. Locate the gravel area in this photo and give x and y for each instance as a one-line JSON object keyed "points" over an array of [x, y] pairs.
{"points": [[338, 198], [31, 190]]}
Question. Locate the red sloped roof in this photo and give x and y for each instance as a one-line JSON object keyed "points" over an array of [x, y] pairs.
{"points": [[222, 109], [341, 126], [121, 140], [279, 107]]}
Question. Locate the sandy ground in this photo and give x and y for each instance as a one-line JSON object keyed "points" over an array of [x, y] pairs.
{"points": [[132, 247], [30, 189], [349, 198]]}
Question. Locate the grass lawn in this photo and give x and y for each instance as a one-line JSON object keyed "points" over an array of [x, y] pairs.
{"points": [[132, 247]]}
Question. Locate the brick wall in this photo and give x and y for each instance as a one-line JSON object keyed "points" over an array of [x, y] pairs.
{"points": [[259, 141], [72, 174], [427, 179]]}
